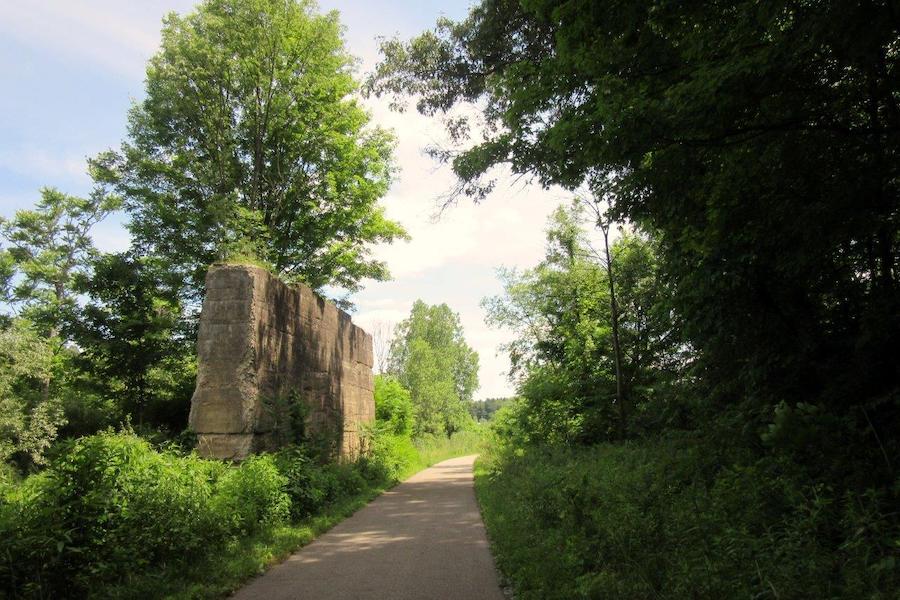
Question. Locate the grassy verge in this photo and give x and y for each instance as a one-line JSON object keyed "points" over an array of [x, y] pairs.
{"points": [[433, 449]]}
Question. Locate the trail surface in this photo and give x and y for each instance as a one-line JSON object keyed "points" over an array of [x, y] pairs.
{"points": [[424, 539]]}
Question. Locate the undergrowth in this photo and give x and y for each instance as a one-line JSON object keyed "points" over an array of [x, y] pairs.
{"points": [[660, 520], [112, 517]]}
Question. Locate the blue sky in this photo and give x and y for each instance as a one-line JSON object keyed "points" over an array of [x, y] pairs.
{"points": [[71, 68]]}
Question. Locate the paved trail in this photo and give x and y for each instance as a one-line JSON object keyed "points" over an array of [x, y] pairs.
{"points": [[424, 539]]}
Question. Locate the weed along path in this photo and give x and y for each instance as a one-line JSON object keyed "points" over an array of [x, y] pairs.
{"points": [[423, 539]]}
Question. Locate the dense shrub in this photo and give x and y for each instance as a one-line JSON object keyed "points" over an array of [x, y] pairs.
{"points": [[660, 521], [304, 481], [311, 486], [111, 505], [393, 406], [252, 496], [390, 456], [108, 505]]}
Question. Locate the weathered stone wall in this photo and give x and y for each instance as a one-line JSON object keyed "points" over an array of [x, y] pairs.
{"points": [[263, 345]]}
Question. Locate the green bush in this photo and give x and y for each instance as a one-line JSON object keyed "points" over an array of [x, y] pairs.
{"points": [[393, 406], [251, 496], [390, 456], [108, 505], [304, 481]]}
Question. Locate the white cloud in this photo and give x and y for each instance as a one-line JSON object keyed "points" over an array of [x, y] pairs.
{"points": [[115, 36], [453, 259], [40, 163]]}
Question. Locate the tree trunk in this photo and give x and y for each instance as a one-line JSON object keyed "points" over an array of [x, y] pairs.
{"points": [[617, 348]]}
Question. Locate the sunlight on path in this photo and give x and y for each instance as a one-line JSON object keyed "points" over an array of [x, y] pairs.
{"points": [[424, 539]]}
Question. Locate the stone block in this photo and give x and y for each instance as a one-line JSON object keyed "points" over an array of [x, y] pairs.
{"points": [[262, 343]]}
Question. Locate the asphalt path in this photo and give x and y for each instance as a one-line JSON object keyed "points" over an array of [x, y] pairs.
{"points": [[423, 539]]}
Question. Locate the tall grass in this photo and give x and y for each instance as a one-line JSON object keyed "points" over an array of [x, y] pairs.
{"points": [[433, 449], [660, 520]]}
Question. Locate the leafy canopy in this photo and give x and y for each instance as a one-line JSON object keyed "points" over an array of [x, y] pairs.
{"points": [[131, 337], [47, 248], [430, 357], [393, 406], [759, 142], [250, 145], [562, 355], [29, 422]]}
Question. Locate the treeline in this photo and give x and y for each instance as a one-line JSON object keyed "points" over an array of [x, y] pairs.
{"points": [[709, 399], [484, 410], [429, 356]]}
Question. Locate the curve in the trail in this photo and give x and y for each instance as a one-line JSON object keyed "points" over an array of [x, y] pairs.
{"points": [[424, 539]]}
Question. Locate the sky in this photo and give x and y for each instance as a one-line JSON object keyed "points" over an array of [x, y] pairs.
{"points": [[70, 69]]}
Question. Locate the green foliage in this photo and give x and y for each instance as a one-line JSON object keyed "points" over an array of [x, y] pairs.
{"points": [[47, 248], [562, 357], [29, 422], [250, 144], [759, 144], [393, 406], [660, 520], [110, 506], [435, 448], [107, 506], [484, 410], [430, 357], [110, 510], [252, 496], [312, 486], [390, 457], [134, 347]]}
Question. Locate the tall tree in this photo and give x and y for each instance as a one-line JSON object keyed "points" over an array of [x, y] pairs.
{"points": [[250, 144], [132, 338], [430, 357], [48, 247], [760, 144], [604, 222], [571, 377]]}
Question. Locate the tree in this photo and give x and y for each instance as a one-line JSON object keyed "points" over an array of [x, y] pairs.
{"points": [[382, 333], [760, 145], [569, 374], [132, 339], [29, 421], [250, 145], [430, 357], [604, 222], [485, 410], [49, 247], [393, 405]]}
